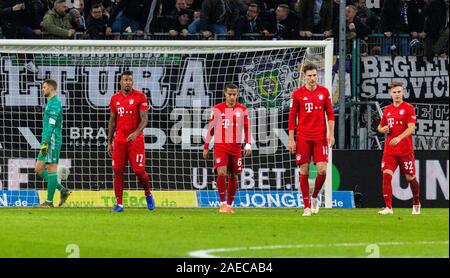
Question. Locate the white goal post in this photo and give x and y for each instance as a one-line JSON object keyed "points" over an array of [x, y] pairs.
{"points": [[182, 81]]}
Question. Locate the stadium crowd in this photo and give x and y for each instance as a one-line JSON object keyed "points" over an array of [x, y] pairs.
{"points": [[402, 25]]}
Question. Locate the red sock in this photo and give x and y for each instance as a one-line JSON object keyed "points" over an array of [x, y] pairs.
{"points": [[221, 187], [415, 189], [232, 186], [320, 179], [118, 186], [143, 179], [304, 186], [387, 190]]}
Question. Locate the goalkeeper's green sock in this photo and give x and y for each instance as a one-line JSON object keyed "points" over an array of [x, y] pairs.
{"points": [[44, 175], [52, 183]]}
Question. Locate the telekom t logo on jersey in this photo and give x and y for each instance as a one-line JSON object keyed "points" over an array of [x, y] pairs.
{"points": [[308, 107], [390, 122], [226, 123], [120, 111]]}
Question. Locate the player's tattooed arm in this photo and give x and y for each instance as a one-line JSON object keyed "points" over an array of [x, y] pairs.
{"points": [[111, 130]]}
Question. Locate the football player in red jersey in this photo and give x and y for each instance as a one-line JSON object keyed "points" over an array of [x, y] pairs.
{"points": [[309, 106], [398, 123], [128, 118], [228, 119]]}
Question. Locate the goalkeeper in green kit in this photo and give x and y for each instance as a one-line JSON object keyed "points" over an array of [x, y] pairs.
{"points": [[47, 161]]}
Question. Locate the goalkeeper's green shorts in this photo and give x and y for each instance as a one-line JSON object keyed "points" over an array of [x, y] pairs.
{"points": [[53, 153]]}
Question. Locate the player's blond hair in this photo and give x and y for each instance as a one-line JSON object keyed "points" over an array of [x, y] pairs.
{"points": [[309, 66], [396, 83]]}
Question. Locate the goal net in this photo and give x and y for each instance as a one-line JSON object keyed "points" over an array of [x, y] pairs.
{"points": [[182, 81]]}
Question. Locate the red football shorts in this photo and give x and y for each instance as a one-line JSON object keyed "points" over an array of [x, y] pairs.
{"points": [[233, 162], [307, 148], [407, 163], [133, 151]]}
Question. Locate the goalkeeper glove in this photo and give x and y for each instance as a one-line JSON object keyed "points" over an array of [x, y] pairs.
{"points": [[44, 149]]}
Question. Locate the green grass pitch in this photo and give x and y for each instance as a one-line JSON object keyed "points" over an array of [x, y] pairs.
{"points": [[163, 233]]}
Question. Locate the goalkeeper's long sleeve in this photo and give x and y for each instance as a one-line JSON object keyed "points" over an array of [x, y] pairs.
{"points": [[52, 122], [48, 129]]}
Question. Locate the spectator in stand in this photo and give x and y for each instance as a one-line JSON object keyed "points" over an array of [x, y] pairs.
{"points": [[107, 8], [196, 14], [355, 28], [435, 31], [179, 25], [189, 3], [251, 23], [179, 5], [37, 10], [234, 8], [193, 4], [367, 17], [261, 6], [79, 5], [16, 20], [399, 17], [136, 14], [75, 20], [272, 5], [336, 7], [242, 8], [283, 23], [96, 23], [167, 6], [315, 17], [57, 22], [160, 24], [88, 6], [215, 17], [20, 19]]}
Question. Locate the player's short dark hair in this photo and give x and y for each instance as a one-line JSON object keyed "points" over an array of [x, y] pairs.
{"points": [[127, 72], [309, 66], [396, 83], [231, 86], [51, 82]]}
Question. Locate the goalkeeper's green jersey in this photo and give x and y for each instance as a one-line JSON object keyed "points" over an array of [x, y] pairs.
{"points": [[53, 122]]}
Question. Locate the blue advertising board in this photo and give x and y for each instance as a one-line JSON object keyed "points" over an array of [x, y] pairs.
{"points": [[19, 198], [271, 199]]}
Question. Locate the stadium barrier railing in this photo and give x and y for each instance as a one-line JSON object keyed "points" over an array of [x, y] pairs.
{"points": [[167, 36], [364, 119]]}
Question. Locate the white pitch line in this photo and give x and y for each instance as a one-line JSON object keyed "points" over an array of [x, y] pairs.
{"points": [[207, 253]]}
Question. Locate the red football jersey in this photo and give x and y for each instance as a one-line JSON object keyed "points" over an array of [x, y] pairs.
{"points": [[127, 109], [308, 109], [226, 125], [398, 118]]}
